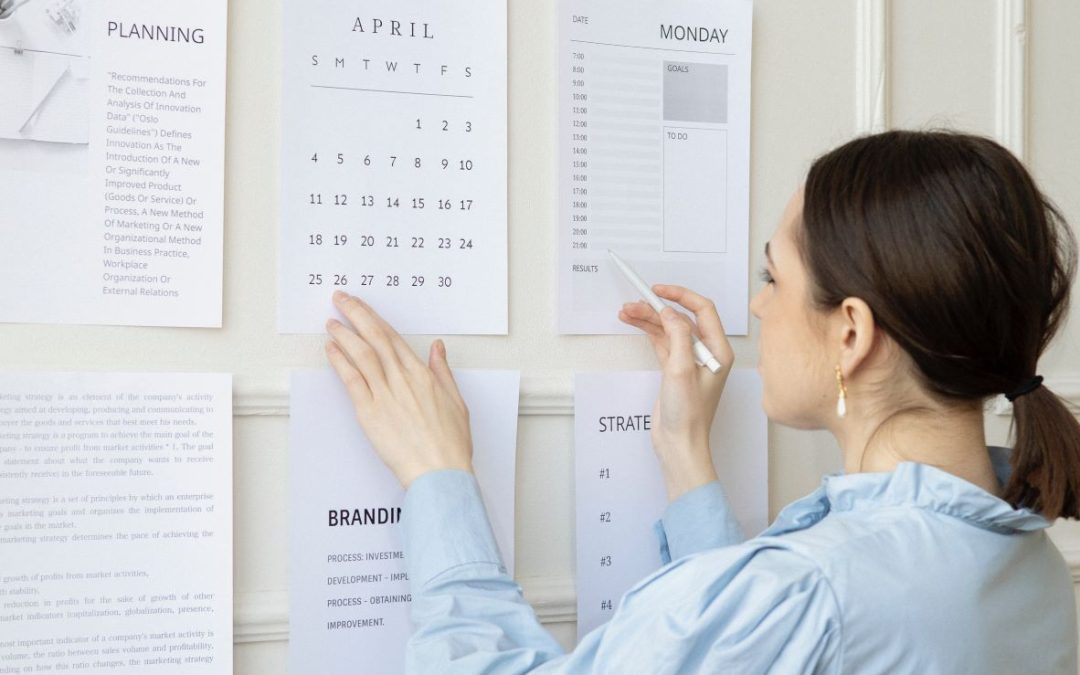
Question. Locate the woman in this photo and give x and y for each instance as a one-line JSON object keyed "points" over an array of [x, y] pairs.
{"points": [[914, 276]]}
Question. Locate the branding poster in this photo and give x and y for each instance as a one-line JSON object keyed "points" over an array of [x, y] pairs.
{"points": [[349, 592]]}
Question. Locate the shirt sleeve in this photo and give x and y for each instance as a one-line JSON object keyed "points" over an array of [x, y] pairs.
{"points": [[469, 613], [697, 521], [747, 609], [752, 608]]}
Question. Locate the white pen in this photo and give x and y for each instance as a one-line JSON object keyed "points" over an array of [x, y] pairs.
{"points": [[701, 353]]}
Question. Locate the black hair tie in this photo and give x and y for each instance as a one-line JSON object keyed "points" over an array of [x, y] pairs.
{"points": [[1026, 388]]}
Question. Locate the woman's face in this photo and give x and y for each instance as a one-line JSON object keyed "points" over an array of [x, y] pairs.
{"points": [[794, 363]]}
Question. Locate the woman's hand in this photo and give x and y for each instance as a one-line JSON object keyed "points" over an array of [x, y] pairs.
{"points": [[689, 393], [412, 413]]}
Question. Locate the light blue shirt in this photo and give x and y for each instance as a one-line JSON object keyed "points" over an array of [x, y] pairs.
{"points": [[914, 571]]}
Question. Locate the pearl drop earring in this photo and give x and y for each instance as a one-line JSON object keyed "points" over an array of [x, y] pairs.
{"points": [[841, 402]]}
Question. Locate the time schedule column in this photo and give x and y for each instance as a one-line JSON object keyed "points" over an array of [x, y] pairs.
{"points": [[578, 130]]}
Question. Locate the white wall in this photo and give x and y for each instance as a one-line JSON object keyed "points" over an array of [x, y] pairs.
{"points": [[823, 71]]}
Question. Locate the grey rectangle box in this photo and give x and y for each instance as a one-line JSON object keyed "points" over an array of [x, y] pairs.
{"points": [[695, 92]]}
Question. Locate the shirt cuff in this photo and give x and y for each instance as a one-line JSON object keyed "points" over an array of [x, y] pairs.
{"points": [[445, 525], [697, 521]]}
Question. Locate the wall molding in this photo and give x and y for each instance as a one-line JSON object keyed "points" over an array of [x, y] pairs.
{"points": [[540, 395], [554, 599], [554, 395], [548, 395], [1072, 557], [260, 402], [263, 616], [1010, 119], [871, 66]]}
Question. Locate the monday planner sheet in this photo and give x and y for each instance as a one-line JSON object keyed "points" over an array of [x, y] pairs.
{"points": [[654, 154], [350, 591]]}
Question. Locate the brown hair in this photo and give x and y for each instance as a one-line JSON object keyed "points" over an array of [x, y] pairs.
{"points": [[967, 266]]}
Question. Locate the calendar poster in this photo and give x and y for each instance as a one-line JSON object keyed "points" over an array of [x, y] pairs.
{"points": [[619, 487], [654, 155], [394, 164], [112, 128]]}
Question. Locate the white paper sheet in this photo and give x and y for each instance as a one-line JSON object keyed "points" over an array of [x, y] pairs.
{"points": [[620, 490], [112, 162], [654, 154], [348, 590], [394, 163], [116, 523]]}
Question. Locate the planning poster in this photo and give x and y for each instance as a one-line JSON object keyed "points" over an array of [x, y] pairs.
{"points": [[394, 163], [349, 592], [116, 513], [112, 127], [620, 490], [654, 154]]}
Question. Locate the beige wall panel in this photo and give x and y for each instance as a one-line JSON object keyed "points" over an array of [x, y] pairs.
{"points": [[942, 64], [1054, 133], [260, 503]]}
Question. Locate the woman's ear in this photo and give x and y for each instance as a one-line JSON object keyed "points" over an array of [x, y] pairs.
{"points": [[854, 323]]}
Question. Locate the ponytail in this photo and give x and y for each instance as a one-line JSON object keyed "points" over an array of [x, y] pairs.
{"points": [[1045, 456]]}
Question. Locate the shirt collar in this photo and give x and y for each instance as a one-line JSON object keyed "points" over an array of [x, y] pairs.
{"points": [[912, 485]]}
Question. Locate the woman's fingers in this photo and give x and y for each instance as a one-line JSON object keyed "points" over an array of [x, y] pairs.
{"points": [[438, 364], [646, 327], [708, 320], [680, 343], [641, 310], [655, 334], [355, 384], [642, 316], [363, 319], [404, 352], [359, 353]]}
